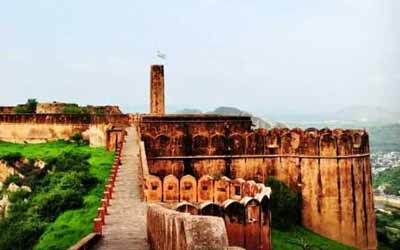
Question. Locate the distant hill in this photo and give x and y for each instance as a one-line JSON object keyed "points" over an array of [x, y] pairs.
{"points": [[366, 114], [257, 121], [190, 111]]}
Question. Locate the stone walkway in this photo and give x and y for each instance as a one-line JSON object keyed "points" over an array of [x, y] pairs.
{"points": [[125, 227]]}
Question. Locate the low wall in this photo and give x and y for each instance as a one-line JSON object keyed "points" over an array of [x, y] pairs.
{"points": [[171, 230], [38, 128]]}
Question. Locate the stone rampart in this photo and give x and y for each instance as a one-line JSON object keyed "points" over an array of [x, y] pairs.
{"points": [[37, 128], [330, 168]]}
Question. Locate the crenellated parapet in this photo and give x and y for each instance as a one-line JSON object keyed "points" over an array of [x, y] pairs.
{"points": [[205, 189]]}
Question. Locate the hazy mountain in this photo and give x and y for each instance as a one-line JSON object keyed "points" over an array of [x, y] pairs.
{"points": [[366, 114], [257, 121], [189, 111]]}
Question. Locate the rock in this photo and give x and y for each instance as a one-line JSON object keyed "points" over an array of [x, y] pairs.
{"points": [[26, 188], [13, 187]]}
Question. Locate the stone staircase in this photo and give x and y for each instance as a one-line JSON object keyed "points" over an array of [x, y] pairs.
{"points": [[125, 227]]}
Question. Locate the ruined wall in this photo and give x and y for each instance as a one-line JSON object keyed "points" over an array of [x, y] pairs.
{"points": [[36, 128], [331, 169], [171, 230], [245, 208]]}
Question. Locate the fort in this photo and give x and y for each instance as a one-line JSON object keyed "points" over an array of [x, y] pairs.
{"points": [[200, 178]]}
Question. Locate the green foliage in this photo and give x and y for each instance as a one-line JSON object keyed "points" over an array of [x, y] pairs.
{"points": [[19, 195], [20, 235], [299, 238], [73, 160], [28, 108], [52, 204], [78, 138], [285, 205], [75, 109], [390, 179], [12, 158], [388, 229], [65, 197], [304, 243], [99, 111]]}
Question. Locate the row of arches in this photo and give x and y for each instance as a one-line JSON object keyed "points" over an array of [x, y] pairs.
{"points": [[294, 141], [206, 189]]}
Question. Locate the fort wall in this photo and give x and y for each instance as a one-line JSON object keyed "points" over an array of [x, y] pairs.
{"points": [[330, 168], [37, 128]]}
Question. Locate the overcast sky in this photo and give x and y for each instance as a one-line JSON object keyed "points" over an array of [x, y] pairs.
{"points": [[287, 56]]}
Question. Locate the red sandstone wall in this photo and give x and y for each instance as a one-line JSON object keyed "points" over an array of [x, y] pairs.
{"points": [[331, 169], [171, 230], [35, 128]]}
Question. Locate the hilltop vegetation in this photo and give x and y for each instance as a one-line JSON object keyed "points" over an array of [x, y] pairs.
{"points": [[64, 198]]}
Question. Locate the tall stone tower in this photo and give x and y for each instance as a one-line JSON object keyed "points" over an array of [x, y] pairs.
{"points": [[157, 105]]}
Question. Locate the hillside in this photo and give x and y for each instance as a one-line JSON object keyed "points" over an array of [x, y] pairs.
{"points": [[64, 196]]}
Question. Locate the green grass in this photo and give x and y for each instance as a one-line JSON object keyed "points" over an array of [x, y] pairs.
{"points": [[281, 239], [71, 225]]}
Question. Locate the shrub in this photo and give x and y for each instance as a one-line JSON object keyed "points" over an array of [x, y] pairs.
{"points": [[19, 195], [20, 235], [80, 181], [75, 109], [12, 158], [78, 138], [28, 108], [51, 204], [70, 161], [285, 205]]}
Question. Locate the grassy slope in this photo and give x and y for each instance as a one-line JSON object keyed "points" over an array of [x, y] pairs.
{"points": [[72, 225], [281, 239]]}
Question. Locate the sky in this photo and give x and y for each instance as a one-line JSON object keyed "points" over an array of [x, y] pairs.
{"points": [[286, 56]]}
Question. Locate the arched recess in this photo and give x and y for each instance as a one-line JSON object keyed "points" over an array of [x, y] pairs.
{"points": [[200, 145], [162, 145], [218, 145], [237, 144]]}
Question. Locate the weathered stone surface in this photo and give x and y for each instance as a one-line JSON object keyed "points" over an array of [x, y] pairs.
{"points": [[38, 128], [170, 230], [157, 105]]}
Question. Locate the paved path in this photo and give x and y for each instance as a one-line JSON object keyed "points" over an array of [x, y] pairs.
{"points": [[125, 227]]}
